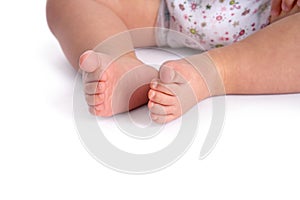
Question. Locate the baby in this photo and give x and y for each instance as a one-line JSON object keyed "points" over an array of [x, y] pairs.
{"points": [[236, 43]]}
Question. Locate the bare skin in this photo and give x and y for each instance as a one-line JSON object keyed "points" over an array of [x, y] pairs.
{"points": [[277, 70], [181, 84], [283, 8], [80, 25], [117, 87]]}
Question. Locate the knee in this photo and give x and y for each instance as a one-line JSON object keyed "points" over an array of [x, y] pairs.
{"points": [[50, 13], [53, 10]]}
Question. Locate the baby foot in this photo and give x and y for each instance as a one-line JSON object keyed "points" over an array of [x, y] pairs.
{"points": [[180, 86], [115, 86]]}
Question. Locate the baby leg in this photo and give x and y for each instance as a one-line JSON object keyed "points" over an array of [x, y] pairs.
{"points": [[80, 25]]}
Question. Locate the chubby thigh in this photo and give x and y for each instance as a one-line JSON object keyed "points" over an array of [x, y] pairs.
{"points": [[134, 13], [215, 23], [139, 16]]}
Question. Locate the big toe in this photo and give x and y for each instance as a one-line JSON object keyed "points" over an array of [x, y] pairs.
{"points": [[168, 74], [89, 61]]}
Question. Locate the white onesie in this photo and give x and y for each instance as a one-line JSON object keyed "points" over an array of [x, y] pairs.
{"points": [[208, 24]]}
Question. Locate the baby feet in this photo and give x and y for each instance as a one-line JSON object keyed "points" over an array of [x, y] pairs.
{"points": [[115, 86], [180, 86]]}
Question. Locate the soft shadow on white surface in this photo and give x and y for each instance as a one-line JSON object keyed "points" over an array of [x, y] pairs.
{"points": [[113, 127], [258, 130], [117, 131], [153, 57], [64, 80]]}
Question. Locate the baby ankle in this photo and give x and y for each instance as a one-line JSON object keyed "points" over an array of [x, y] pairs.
{"points": [[212, 73]]}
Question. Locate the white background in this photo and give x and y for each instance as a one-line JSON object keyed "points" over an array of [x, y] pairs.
{"points": [[41, 156]]}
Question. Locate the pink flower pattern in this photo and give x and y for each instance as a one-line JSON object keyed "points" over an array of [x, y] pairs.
{"points": [[217, 23]]}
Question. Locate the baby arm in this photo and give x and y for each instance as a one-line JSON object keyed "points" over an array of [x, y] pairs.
{"points": [[265, 63]]}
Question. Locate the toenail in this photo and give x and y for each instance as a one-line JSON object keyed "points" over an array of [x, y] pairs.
{"points": [[151, 94], [100, 107], [154, 84], [89, 61], [84, 56], [284, 7], [151, 104], [172, 74]]}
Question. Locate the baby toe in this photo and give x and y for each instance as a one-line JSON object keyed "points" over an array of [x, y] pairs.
{"points": [[161, 98], [287, 5], [99, 75], [168, 73], [93, 100], [163, 88], [154, 84], [161, 119], [89, 61], [99, 107], [94, 88], [95, 111], [160, 109], [100, 110]]}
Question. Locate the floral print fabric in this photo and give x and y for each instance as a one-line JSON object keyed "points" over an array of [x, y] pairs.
{"points": [[208, 24]]}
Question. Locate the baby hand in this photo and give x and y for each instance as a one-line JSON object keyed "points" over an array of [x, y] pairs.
{"points": [[283, 5]]}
